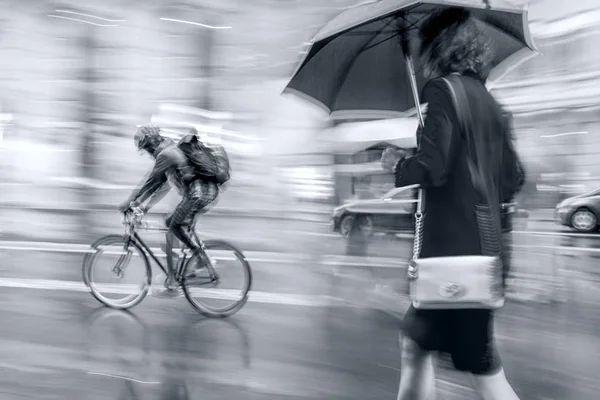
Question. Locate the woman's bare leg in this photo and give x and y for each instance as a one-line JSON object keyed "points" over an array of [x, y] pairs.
{"points": [[494, 387], [417, 380]]}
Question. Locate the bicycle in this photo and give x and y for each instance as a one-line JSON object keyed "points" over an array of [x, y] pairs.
{"points": [[192, 271]]}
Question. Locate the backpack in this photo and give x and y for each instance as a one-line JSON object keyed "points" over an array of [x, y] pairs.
{"points": [[210, 165], [221, 159]]}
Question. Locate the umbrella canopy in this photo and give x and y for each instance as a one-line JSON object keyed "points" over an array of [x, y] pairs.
{"points": [[356, 65]]}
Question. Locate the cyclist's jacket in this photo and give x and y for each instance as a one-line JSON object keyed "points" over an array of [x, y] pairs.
{"points": [[171, 166]]}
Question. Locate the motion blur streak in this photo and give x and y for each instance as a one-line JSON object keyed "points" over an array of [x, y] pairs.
{"points": [[195, 23], [91, 16], [78, 20]]}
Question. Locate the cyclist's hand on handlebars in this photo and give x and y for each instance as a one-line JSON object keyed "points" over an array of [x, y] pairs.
{"points": [[125, 207], [137, 211], [131, 206]]}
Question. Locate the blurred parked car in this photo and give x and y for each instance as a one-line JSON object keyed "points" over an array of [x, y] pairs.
{"points": [[393, 212], [580, 212]]}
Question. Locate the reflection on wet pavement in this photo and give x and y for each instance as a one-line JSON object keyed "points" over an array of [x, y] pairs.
{"points": [[61, 345]]}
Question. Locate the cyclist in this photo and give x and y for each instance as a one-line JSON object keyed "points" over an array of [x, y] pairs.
{"points": [[171, 166]]}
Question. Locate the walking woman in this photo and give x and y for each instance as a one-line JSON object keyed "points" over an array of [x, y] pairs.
{"points": [[452, 44]]}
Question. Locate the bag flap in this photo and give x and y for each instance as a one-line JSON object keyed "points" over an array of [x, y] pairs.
{"points": [[188, 139], [454, 265]]}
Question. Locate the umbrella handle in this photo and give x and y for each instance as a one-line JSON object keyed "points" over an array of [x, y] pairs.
{"points": [[413, 84]]}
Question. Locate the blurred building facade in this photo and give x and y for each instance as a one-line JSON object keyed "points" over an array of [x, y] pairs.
{"points": [[556, 102], [77, 78], [75, 91]]}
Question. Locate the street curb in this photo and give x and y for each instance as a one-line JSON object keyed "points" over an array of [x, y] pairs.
{"points": [[294, 215], [297, 215], [327, 260], [78, 248]]}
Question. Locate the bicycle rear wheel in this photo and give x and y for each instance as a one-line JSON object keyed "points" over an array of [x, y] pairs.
{"points": [[118, 273], [219, 288]]}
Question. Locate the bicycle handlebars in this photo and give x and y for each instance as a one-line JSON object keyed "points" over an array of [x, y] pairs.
{"points": [[133, 217]]}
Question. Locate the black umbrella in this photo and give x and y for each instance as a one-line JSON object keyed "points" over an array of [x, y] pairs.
{"points": [[360, 63]]}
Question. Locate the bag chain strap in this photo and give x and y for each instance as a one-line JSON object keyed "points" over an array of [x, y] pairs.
{"points": [[412, 272]]}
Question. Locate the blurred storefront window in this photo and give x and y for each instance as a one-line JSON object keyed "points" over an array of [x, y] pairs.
{"points": [[310, 183]]}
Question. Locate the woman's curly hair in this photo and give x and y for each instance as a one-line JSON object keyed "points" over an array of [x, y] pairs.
{"points": [[452, 42]]}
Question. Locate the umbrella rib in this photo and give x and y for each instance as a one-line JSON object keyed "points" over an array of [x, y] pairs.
{"points": [[410, 24], [397, 32], [502, 31], [360, 33], [378, 43], [349, 67]]}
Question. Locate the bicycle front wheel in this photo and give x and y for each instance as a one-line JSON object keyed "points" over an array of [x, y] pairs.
{"points": [[217, 286], [118, 272]]}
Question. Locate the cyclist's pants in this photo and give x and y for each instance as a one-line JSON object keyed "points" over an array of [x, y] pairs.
{"points": [[197, 201]]}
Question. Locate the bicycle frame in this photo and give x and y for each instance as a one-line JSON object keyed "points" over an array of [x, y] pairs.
{"points": [[135, 237]]}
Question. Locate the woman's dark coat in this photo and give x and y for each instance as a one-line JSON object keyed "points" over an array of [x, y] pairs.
{"points": [[440, 166]]}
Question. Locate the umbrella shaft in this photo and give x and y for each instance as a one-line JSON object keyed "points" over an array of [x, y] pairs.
{"points": [[413, 84]]}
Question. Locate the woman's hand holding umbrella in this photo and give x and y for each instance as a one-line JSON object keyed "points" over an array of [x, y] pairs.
{"points": [[390, 158]]}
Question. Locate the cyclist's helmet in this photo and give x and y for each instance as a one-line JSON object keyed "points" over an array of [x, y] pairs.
{"points": [[147, 138]]}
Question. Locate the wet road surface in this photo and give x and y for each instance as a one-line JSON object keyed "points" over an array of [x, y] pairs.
{"points": [[312, 331], [62, 345]]}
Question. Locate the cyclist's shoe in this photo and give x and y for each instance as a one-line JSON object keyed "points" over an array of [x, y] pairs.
{"points": [[201, 271], [171, 284], [168, 293], [170, 290]]}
